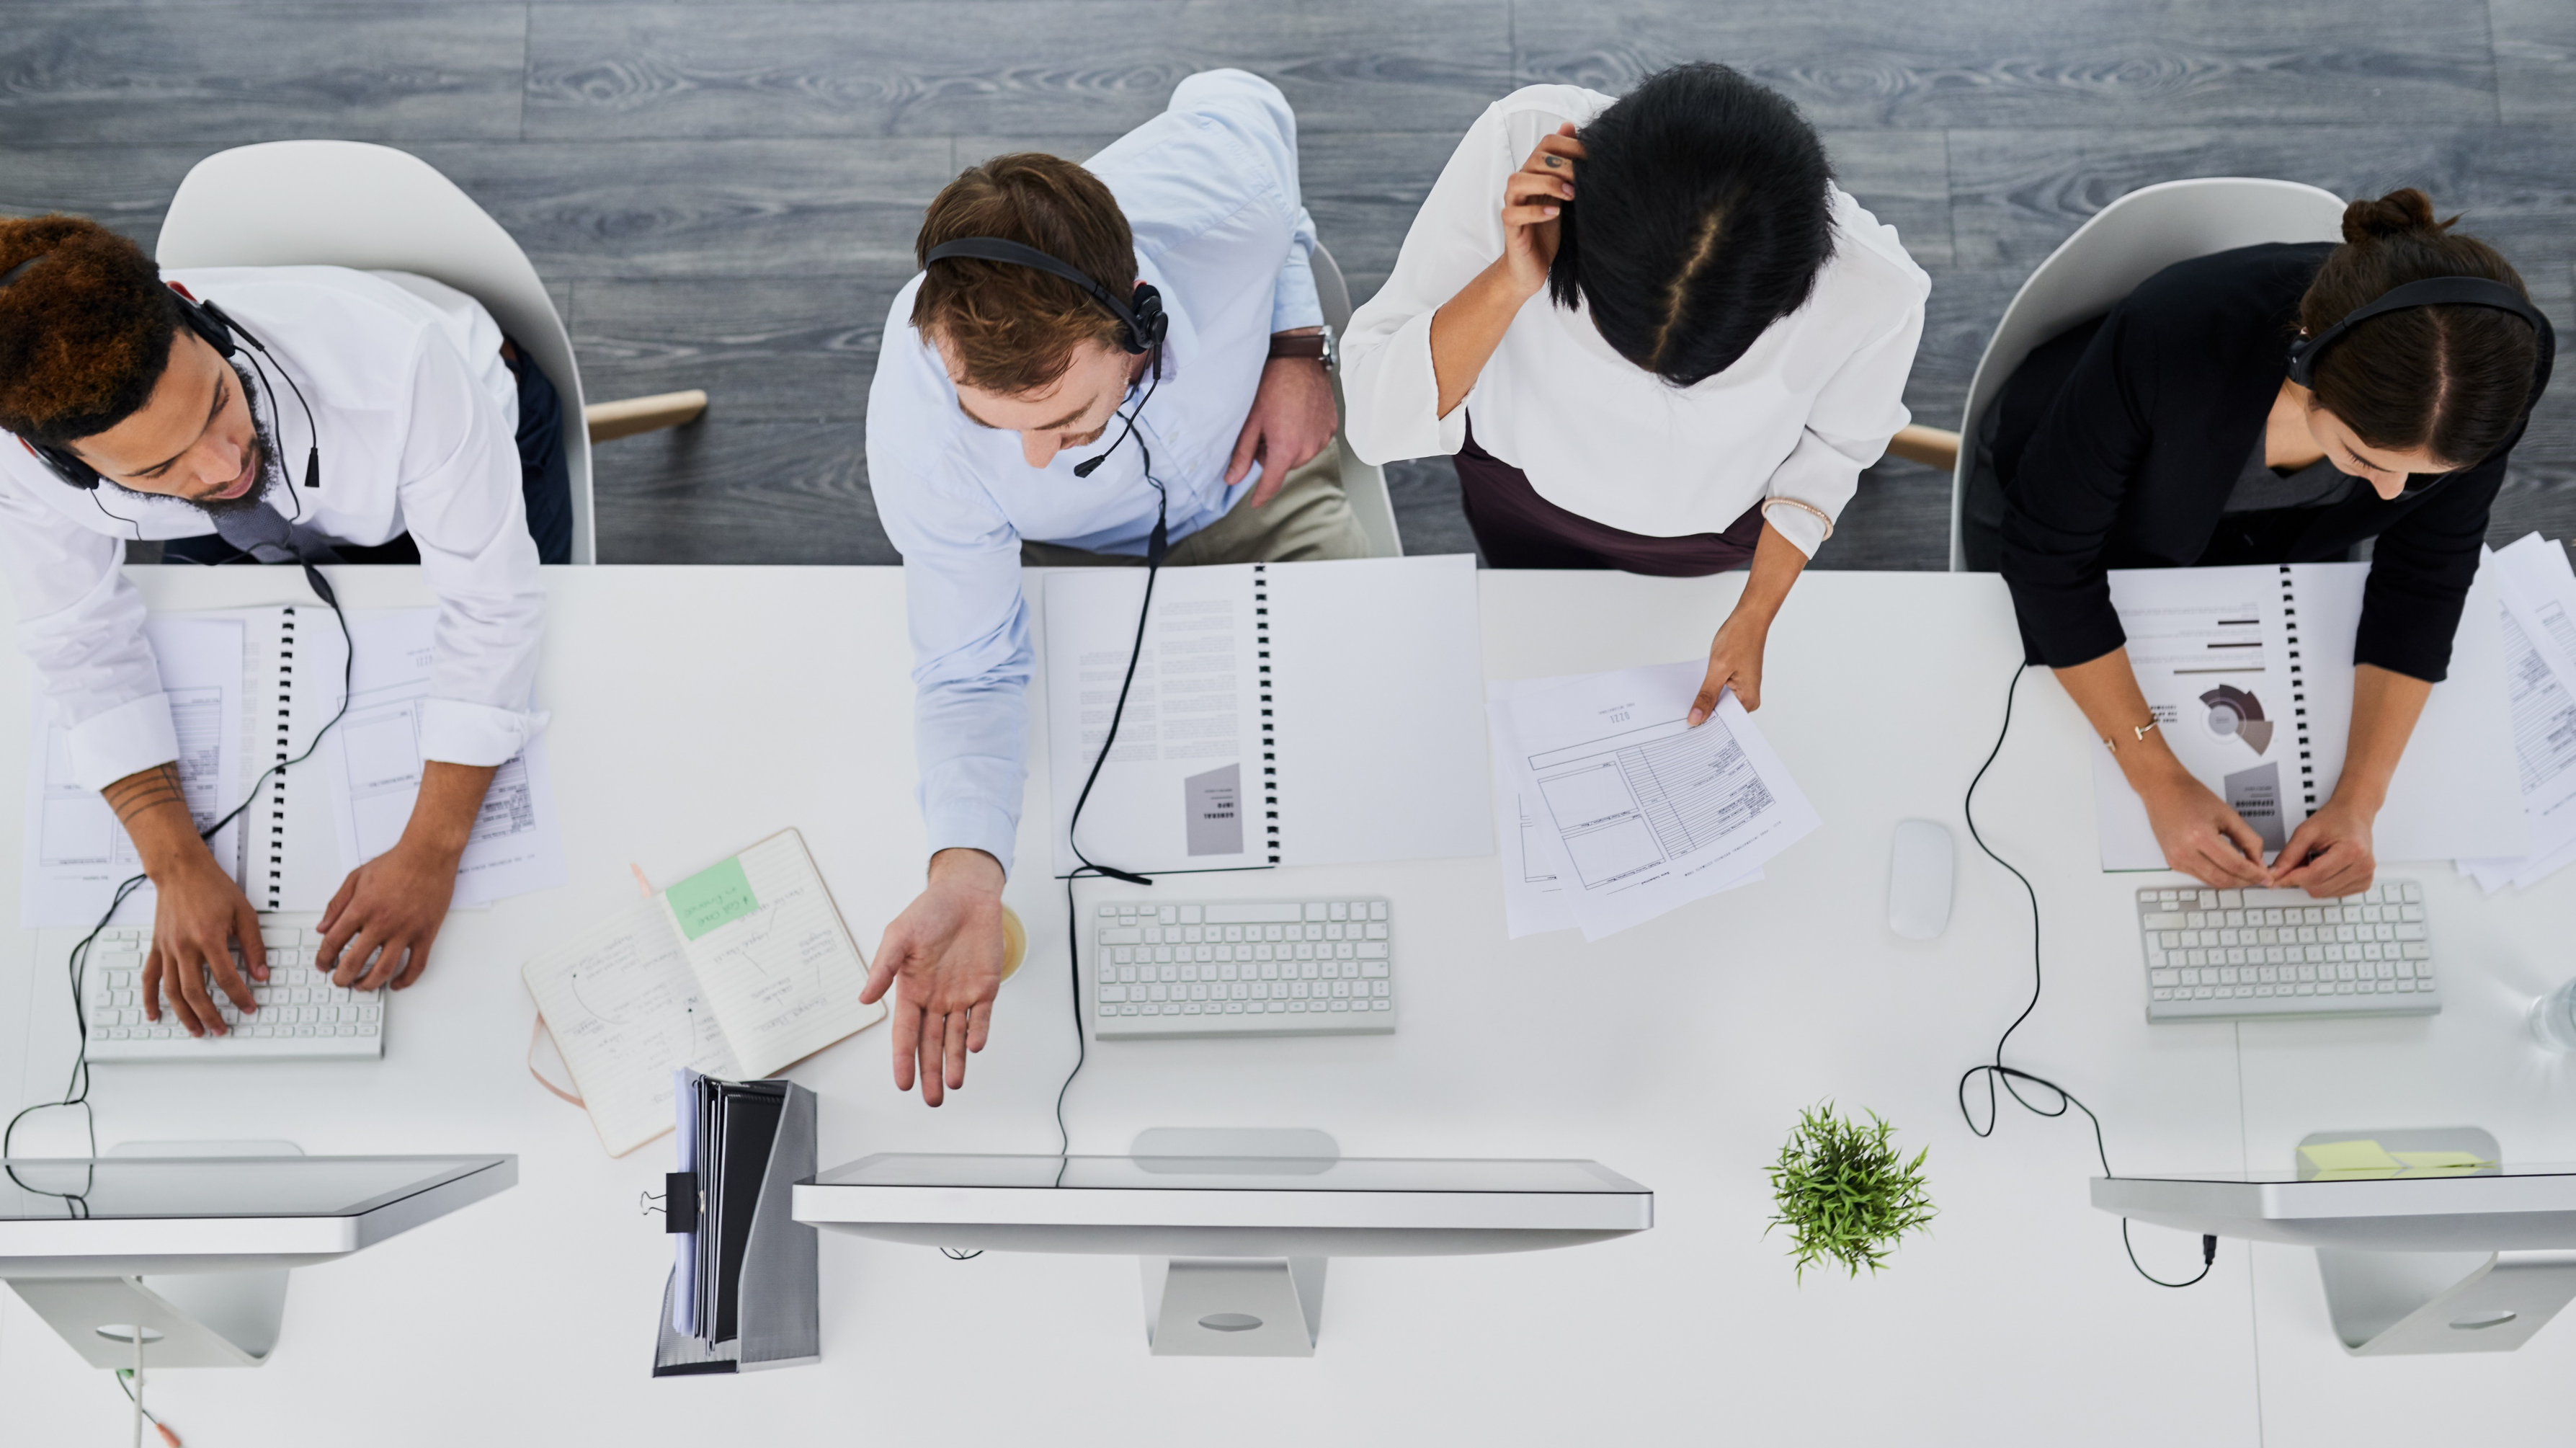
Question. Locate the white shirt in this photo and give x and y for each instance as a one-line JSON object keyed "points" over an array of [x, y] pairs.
{"points": [[418, 417], [1210, 191], [1799, 415]]}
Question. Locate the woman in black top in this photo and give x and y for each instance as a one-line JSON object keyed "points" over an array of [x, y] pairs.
{"points": [[2169, 433]]}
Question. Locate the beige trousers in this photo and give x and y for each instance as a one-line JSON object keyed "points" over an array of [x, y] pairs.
{"points": [[1309, 519]]}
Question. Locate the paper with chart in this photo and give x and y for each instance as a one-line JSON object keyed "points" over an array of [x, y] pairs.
{"points": [[75, 852], [1634, 812], [2536, 594], [738, 971], [372, 762], [1534, 898], [2248, 672]]}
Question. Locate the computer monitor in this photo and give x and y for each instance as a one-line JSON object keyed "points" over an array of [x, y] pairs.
{"points": [[1233, 1242], [189, 1255], [2427, 1242]]}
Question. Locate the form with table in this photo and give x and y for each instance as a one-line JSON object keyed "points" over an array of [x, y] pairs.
{"points": [[697, 710]]}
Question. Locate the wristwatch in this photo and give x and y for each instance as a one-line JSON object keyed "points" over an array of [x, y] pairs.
{"points": [[1318, 346]]}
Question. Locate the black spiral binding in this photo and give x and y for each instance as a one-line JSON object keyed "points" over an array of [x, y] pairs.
{"points": [[2298, 691], [277, 786], [1269, 722]]}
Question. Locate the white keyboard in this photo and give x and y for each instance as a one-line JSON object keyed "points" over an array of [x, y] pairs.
{"points": [[1243, 968], [2254, 953], [301, 1015]]}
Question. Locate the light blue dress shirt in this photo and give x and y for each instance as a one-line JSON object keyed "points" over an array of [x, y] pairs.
{"points": [[1210, 191]]}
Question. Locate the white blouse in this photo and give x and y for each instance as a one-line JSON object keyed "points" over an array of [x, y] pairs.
{"points": [[1799, 415]]}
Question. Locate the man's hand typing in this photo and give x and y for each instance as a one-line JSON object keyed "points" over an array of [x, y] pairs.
{"points": [[197, 913], [946, 951]]}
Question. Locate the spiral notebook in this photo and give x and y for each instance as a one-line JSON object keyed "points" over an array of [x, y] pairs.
{"points": [[2249, 673], [1282, 714], [250, 689]]}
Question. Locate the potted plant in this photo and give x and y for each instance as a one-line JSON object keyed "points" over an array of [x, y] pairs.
{"points": [[1844, 1193]]}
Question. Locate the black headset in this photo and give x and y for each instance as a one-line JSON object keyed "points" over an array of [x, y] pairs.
{"points": [[2430, 292], [217, 329], [1141, 315]]}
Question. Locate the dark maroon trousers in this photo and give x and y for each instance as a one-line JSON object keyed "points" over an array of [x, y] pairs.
{"points": [[1516, 528]]}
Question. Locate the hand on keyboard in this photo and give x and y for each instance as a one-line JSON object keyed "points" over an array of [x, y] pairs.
{"points": [[198, 914]]}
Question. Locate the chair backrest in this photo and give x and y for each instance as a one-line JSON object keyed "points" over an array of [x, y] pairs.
{"points": [[1363, 483], [373, 208], [2123, 244]]}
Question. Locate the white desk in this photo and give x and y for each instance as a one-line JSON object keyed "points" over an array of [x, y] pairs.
{"points": [[697, 710]]}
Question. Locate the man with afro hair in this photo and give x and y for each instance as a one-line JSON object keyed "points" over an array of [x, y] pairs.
{"points": [[148, 408]]}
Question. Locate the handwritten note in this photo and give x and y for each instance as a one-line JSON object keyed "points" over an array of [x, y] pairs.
{"points": [[718, 895]]}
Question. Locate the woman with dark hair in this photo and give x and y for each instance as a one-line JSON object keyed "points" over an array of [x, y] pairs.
{"points": [[2222, 414], [1720, 349]]}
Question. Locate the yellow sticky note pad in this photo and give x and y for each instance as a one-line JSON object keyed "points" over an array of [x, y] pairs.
{"points": [[2350, 1158]]}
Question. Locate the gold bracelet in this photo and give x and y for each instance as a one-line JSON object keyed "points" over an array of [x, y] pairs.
{"points": [[1819, 514], [2137, 735]]}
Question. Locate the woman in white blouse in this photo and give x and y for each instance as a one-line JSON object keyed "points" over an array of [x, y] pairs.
{"points": [[1678, 370]]}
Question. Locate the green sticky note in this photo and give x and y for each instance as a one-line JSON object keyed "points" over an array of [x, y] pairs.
{"points": [[2350, 1158], [711, 897], [2440, 1163]]}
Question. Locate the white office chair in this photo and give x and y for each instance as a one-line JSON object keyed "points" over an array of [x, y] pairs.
{"points": [[373, 208], [2125, 243], [1364, 482]]}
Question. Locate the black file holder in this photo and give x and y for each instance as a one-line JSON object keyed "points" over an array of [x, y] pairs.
{"points": [[776, 1318]]}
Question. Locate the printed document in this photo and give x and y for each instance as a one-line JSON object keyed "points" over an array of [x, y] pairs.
{"points": [[1634, 813], [75, 852], [2536, 591], [2248, 672], [373, 765], [1534, 898]]}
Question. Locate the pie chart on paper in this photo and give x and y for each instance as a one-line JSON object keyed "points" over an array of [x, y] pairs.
{"points": [[2235, 712]]}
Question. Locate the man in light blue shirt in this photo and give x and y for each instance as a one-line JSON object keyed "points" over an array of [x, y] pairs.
{"points": [[988, 446]]}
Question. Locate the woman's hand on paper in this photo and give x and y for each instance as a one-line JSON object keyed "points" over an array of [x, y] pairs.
{"points": [[1734, 662], [380, 924], [2329, 854], [2199, 834], [946, 951]]}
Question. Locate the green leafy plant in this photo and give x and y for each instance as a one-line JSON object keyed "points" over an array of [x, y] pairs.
{"points": [[1844, 1193]]}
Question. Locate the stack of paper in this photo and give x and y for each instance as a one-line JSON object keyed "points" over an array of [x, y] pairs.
{"points": [[2537, 591], [1612, 811]]}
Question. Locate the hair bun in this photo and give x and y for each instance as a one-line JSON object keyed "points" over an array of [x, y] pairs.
{"points": [[2399, 213]]}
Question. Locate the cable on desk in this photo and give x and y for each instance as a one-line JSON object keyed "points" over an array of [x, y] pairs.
{"points": [[1995, 1071], [76, 965], [125, 1380]]}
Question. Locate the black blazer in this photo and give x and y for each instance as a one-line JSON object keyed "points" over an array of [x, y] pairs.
{"points": [[2131, 466]]}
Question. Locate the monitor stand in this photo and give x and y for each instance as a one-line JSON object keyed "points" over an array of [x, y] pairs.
{"points": [[185, 1320], [2388, 1304], [1234, 1306]]}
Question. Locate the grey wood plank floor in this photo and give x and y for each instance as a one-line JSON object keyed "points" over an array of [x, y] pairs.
{"points": [[723, 195]]}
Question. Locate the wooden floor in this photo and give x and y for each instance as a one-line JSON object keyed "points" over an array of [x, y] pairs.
{"points": [[724, 196]]}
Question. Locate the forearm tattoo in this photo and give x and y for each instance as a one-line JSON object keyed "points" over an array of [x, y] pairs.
{"points": [[137, 795]]}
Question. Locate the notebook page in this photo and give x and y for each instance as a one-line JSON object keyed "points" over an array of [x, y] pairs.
{"points": [[1380, 710], [626, 1012], [1179, 791], [776, 964], [75, 853], [295, 657]]}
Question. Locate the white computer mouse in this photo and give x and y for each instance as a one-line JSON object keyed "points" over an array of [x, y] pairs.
{"points": [[1918, 879]]}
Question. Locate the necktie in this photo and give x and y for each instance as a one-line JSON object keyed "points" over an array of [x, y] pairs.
{"points": [[264, 534]]}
